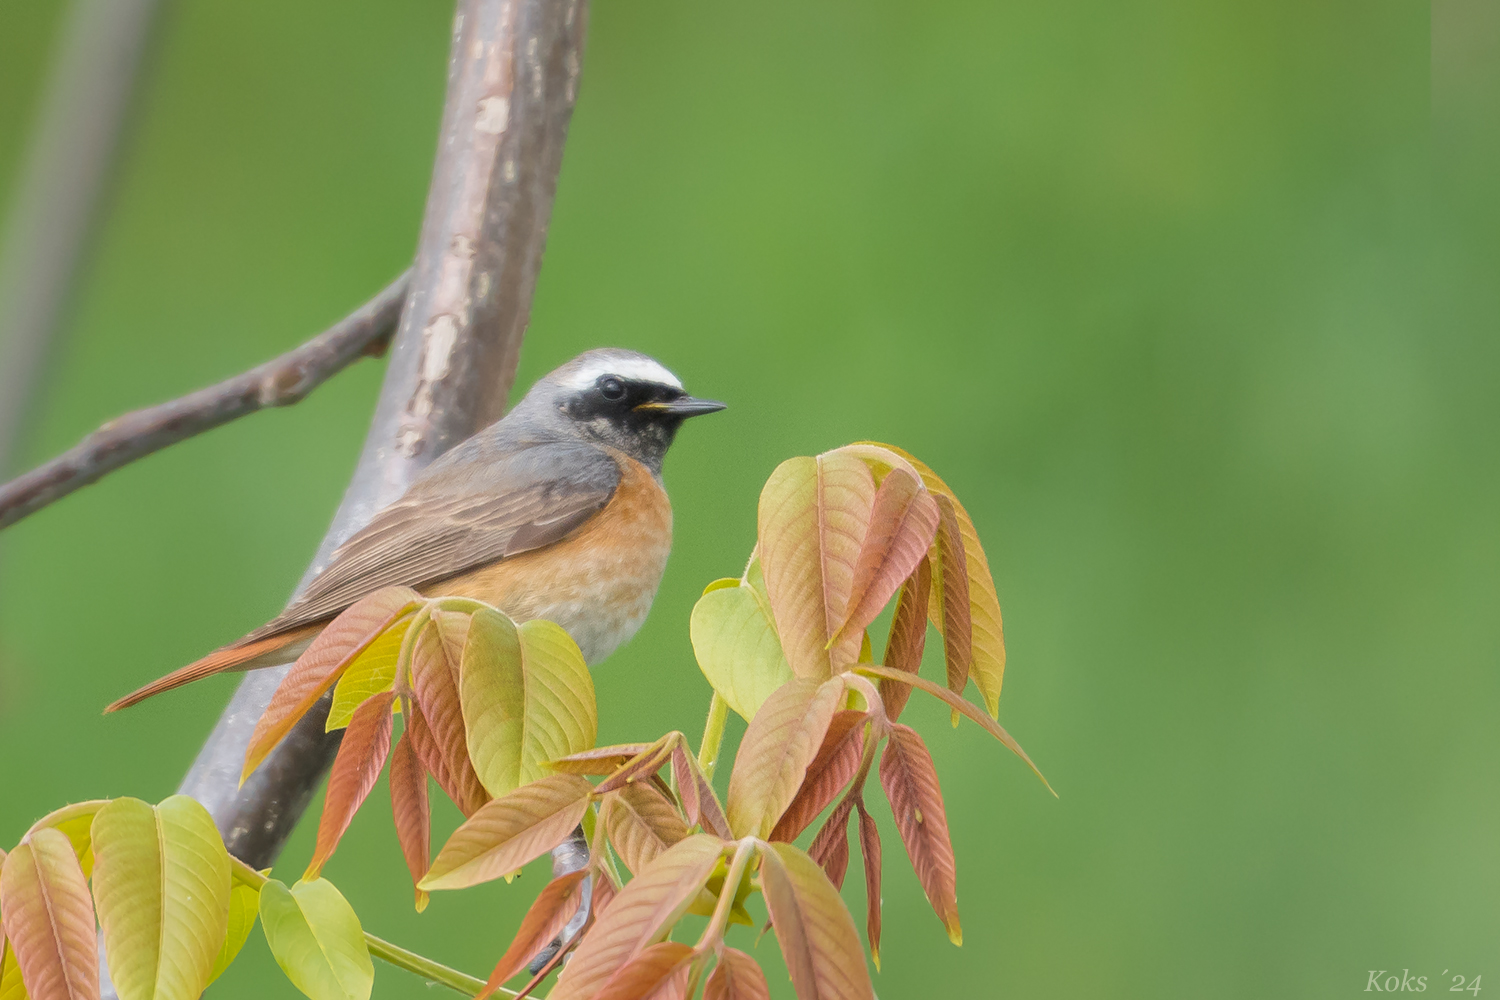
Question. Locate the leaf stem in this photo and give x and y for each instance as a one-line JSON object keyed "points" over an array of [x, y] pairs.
{"points": [[713, 735], [720, 920], [433, 972]]}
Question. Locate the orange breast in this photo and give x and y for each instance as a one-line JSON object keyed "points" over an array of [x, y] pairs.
{"points": [[597, 583]]}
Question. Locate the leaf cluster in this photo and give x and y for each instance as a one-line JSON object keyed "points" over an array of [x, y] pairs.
{"points": [[502, 718]]}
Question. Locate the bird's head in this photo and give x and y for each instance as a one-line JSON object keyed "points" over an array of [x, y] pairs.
{"points": [[618, 398]]}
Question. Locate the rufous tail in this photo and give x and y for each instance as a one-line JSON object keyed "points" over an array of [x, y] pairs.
{"points": [[241, 656]]}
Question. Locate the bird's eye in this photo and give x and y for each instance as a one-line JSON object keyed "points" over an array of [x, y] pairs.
{"points": [[612, 388]]}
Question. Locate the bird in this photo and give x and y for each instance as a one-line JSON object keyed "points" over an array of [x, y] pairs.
{"points": [[555, 511]]}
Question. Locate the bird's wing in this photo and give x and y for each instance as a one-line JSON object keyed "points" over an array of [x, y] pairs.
{"points": [[468, 509]]}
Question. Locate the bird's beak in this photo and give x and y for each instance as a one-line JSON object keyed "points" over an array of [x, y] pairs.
{"points": [[687, 406]]}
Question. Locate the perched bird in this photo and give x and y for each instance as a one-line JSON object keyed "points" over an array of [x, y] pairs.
{"points": [[555, 511]]}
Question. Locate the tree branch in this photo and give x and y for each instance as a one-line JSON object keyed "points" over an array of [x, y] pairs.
{"points": [[87, 97], [281, 382], [512, 80]]}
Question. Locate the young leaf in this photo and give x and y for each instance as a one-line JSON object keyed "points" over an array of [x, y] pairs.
{"points": [[549, 914], [244, 905], [699, 801], [869, 846], [320, 666], [412, 813], [372, 672], [817, 936], [507, 832], [435, 673], [527, 699], [830, 848], [911, 783], [162, 889], [317, 940], [11, 986], [641, 823], [76, 822], [958, 704], [836, 761], [780, 742], [642, 914], [813, 517], [988, 666], [598, 761], [643, 765], [951, 585], [657, 973], [49, 918], [736, 977], [901, 528], [361, 756], [735, 642], [908, 637]]}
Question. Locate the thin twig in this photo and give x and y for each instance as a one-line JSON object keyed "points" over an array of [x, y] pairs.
{"points": [[281, 382], [57, 196]]}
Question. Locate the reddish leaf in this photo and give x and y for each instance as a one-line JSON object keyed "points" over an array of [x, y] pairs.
{"points": [[952, 587], [361, 755], [830, 848], [598, 761], [780, 742], [911, 783], [817, 936], [317, 669], [958, 704], [508, 832], [869, 846], [736, 977], [434, 669], [829, 772], [549, 914], [411, 811], [48, 917], [988, 665], [908, 637], [642, 823], [689, 792], [709, 812], [902, 524], [605, 892], [813, 516], [657, 973], [642, 765], [639, 916]]}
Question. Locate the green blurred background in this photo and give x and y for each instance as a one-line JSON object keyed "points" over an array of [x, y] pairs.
{"points": [[1194, 305]]}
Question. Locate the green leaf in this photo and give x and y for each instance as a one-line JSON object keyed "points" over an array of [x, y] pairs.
{"points": [[11, 986], [161, 887], [735, 641], [780, 742], [317, 940], [244, 905], [372, 672], [527, 698], [49, 918]]}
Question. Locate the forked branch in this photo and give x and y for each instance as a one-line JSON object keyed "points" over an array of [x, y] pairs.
{"points": [[279, 382]]}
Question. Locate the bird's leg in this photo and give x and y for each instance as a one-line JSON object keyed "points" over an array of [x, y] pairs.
{"points": [[571, 855]]}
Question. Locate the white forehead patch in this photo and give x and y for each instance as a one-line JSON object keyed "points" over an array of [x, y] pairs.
{"points": [[638, 369]]}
